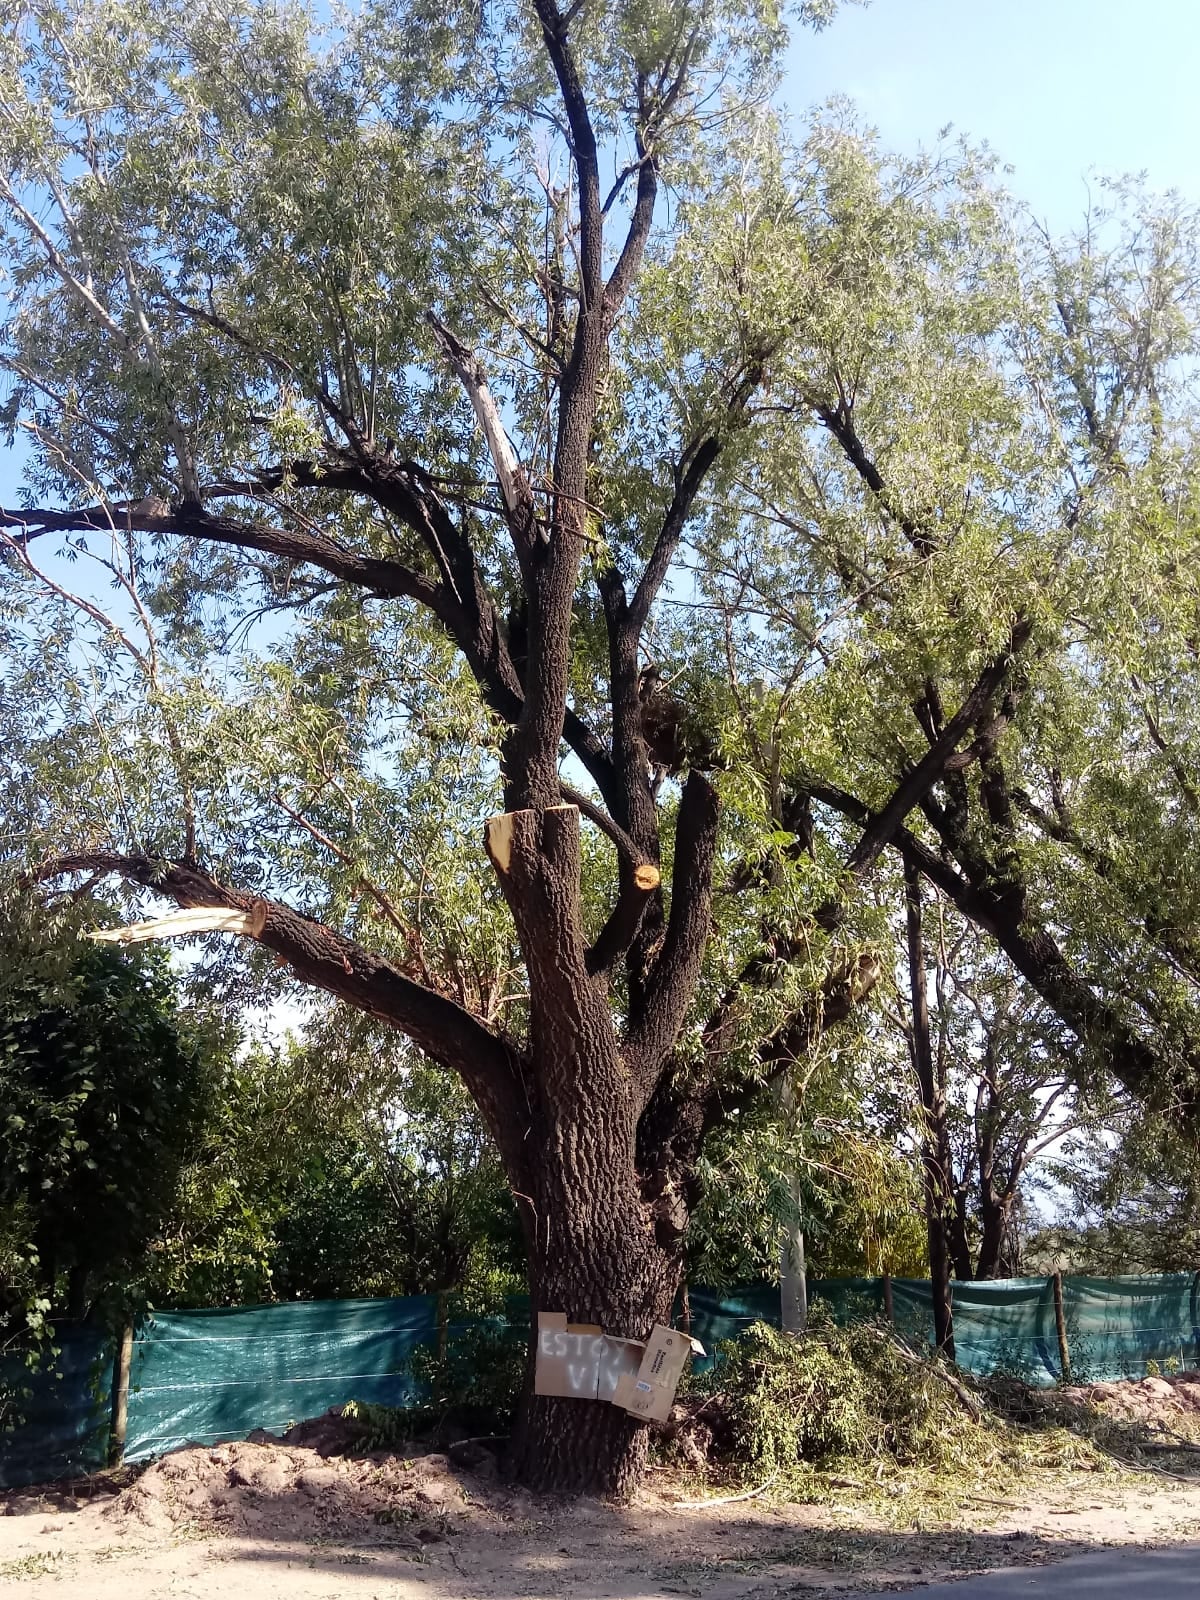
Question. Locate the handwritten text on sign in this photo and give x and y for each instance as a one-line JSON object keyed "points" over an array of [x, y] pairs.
{"points": [[579, 1361]]}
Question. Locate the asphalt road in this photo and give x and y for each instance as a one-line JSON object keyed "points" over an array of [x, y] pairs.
{"points": [[1169, 1574]]}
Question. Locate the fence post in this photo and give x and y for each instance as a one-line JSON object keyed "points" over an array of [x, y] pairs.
{"points": [[889, 1309], [1060, 1324], [122, 1362], [443, 1324]]}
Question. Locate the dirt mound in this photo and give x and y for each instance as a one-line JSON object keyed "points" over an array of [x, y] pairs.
{"points": [[284, 1490], [332, 1434], [1172, 1401]]}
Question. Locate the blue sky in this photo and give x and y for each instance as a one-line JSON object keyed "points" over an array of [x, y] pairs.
{"points": [[1058, 88]]}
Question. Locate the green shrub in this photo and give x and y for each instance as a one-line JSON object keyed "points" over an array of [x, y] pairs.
{"points": [[378, 1427], [476, 1382]]}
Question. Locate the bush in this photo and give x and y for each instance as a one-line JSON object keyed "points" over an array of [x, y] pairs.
{"points": [[475, 1384], [780, 1404]]}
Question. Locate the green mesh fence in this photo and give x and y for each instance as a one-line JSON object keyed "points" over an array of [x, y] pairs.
{"points": [[1115, 1327], [1004, 1324], [64, 1409], [207, 1376]]}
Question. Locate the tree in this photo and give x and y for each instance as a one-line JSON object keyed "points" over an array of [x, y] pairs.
{"points": [[341, 1167], [406, 1198], [836, 1160], [1129, 1200], [516, 484], [103, 1085], [935, 1146], [1001, 1089]]}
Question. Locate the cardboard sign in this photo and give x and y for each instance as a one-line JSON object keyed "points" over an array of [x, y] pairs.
{"points": [[650, 1393], [579, 1361]]}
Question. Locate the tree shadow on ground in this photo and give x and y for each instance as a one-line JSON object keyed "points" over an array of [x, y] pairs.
{"points": [[422, 1525], [420, 1522], [598, 1552]]}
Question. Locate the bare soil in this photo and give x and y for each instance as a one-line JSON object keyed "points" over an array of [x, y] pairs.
{"points": [[293, 1517], [1169, 1401]]}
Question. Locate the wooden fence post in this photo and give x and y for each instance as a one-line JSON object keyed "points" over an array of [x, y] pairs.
{"points": [[889, 1309], [122, 1362], [1060, 1324], [443, 1323]]}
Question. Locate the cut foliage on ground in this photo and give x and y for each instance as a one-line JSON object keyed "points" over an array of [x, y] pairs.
{"points": [[859, 1404]]}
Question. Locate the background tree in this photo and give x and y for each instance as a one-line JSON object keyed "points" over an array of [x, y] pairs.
{"points": [[505, 413], [837, 1161], [103, 1085], [1001, 1089], [339, 1167], [1127, 1199], [930, 1072]]}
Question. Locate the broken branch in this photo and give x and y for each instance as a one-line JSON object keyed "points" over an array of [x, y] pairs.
{"points": [[179, 924]]}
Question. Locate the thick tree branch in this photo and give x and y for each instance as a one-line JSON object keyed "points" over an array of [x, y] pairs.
{"points": [[628, 262], [459, 600], [627, 852], [1037, 957], [688, 482], [551, 571], [388, 579], [320, 956], [943, 755], [583, 147], [670, 986], [839, 420], [636, 886], [514, 486], [878, 830]]}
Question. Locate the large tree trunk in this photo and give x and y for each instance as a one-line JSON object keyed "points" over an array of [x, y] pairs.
{"points": [[594, 1254], [604, 1226], [591, 1446]]}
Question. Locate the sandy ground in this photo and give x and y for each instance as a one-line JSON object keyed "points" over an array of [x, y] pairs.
{"points": [[268, 1520]]}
